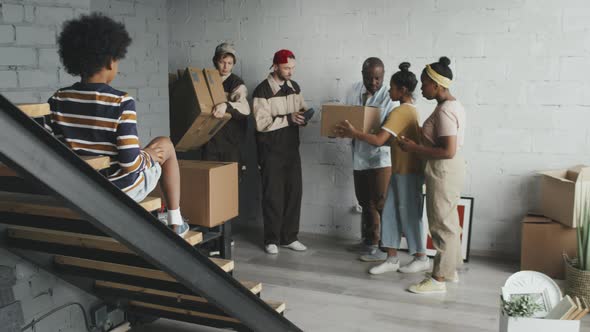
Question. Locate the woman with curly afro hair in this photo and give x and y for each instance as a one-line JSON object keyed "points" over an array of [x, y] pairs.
{"points": [[93, 118]]}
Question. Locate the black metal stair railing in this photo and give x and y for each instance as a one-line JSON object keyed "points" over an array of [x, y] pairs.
{"points": [[34, 153]]}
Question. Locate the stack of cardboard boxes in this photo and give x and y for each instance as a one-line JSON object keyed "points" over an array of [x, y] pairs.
{"points": [[193, 95], [546, 237], [209, 190], [550, 234]]}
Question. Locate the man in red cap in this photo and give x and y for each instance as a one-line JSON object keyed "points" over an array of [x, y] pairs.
{"points": [[278, 108]]}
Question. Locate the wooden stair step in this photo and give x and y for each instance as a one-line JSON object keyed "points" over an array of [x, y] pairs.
{"points": [[81, 240], [79, 243], [116, 292], [226, 265], [147, 277], [35, 110], [50, 206], [254, 287], [142, 272], [183, 304], [279, 307], [97, 162], [45, 222]]}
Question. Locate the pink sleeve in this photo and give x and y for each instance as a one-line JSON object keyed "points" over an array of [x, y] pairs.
{"points": [[447, 123]]}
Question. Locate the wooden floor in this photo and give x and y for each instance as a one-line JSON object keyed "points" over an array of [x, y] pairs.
{"points": [[328, 289]]}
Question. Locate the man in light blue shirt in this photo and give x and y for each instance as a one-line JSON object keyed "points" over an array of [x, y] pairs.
{"points": [[371, 164]]}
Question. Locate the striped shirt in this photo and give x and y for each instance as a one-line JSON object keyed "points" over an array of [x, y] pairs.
{"points": [[95, 119]]}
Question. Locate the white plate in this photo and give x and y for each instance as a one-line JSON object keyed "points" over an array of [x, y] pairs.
{"points": [[535, 280]]}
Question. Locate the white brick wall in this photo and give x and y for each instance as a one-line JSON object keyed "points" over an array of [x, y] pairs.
{"points": [[28, 35], [13, 56], [7, 79], [29, 65], [37, 78], [39, 292], [146, 22], [6, 34], [520, 66], [12, 13]]}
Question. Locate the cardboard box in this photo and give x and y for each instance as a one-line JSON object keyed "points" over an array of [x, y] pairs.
{"points": [[191, 105], [558, 192], [521, 324], [543, 243], [367, 119], [208, 192], [215, 86]]}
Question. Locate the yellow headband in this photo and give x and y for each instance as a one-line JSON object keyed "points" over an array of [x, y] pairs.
{"points": [[445, 82]]}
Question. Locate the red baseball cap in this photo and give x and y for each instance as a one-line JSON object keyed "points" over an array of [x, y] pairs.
{"points": [[282, 56]]}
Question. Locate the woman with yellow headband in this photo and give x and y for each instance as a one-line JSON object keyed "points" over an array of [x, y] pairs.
{"points": [[443, 133]]}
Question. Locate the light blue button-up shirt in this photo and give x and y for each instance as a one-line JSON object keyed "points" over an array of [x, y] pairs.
{"points": [[364, 155]]}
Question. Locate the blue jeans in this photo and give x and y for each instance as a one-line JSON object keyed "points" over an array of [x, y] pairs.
{"points": [[402, 213]]}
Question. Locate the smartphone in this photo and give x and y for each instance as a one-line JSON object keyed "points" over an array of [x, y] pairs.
{"points": [[308, 114]]}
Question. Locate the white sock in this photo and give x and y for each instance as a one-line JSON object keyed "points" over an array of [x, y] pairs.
{"points": [[392, 259], [174, 217], [421, 258]]}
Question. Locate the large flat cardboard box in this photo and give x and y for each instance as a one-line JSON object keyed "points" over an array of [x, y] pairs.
{"points": [[522, 324], [543, 243], [191, 104], [209, 192], [367, 119], [558, 193]]}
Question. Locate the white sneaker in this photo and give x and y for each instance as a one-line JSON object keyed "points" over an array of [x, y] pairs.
{"points": [[454, 279], [428, 286], [296, 246], [182, 230], [390, 265], [271, 249], [416, 265]]}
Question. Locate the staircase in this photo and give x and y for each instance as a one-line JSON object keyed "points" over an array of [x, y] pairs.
{"points": [[132, 260]]}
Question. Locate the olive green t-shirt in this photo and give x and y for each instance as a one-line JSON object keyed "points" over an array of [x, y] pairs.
{"points": [[403, 121]]}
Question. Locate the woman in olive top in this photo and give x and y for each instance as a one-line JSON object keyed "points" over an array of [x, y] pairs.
{"points": [[402, 213], [443, 134]]}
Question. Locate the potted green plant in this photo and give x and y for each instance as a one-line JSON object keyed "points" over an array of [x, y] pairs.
{"points": [[577, 273], [523, 306]]}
